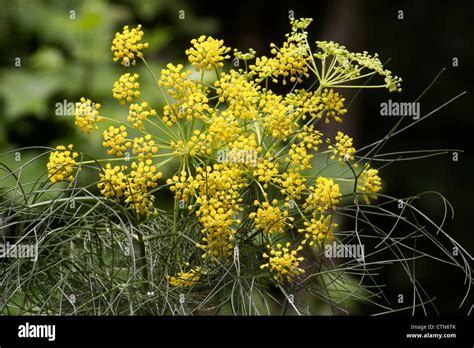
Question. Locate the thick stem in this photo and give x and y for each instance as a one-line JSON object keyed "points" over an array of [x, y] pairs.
{"points": [[140, 243]]}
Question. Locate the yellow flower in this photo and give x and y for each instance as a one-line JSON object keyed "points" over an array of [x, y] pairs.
{"points": [[310, 137], [332, 105], [369, 183], [186, 279], [317, 230], [279, 120], [194, 104], [207, 53], [216, 218], [283, 263], [127, 45], [264, 68], [197, 145], [324, 196], [113, 181], [240, 94], [223, 181], [234, 139], [142, 178], [138, 112], [350, 65], [299, 156], [269, 218], [175, 79], [303, 103], [218, 201], [244, 150], [87, 114], [126, 88], [61, 164], [291, 61], [300, 23], [144, 147], [116, 140], [245, 56], [183, 186], [292, 184], [266, 170], [343, 148], [190, 97], [222, 130], [133, 187]]}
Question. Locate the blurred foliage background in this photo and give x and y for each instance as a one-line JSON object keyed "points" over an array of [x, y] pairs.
{"points": [[64, 52], [58, 51]]}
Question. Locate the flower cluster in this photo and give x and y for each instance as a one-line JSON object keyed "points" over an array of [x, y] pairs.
{"points": [[183, 186], [244, 161], [138, 113], [186, 279], [303, 103], [299, 156], [349, 66], [369, 183], [240, 94], [144, 147], [324, 196], [269, 218], [207, 53], [292, 184], [266, 170], [131, 188], [218, 199], [61, 164], [126, 88], [290, 60], [190, 99], [283, 262], [127, 45], [343, 148], [317, 230], [332, 105], [279, 119], [115, 139], [87, 115]]}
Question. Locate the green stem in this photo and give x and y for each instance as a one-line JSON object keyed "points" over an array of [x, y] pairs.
{"points": [[142, 257]]}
